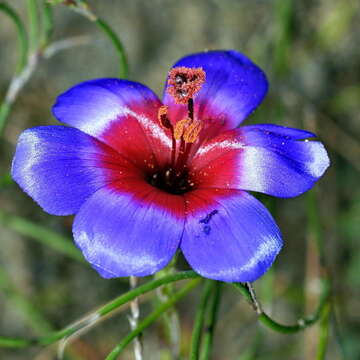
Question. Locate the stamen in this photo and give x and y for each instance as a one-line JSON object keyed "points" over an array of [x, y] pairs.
{"points": [[191, 108], [180, 128], [163, 118], [192, 132], [184, 83]]}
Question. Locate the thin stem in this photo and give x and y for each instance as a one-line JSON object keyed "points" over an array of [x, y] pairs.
{"points": [[173, 148], [27, 64], [96, 315], [151, 285], [211, 321], [257, 305], [199, 319], [134, 320], [32, 9], [301, 323], [191, 108], [55, 47], [172, 323], [22, 70], [170, 319], [47, 24], [324, 333], [82, 8], [8, 342], [19, 81], [151, 318], [21, 33], [16, 84], [4, 113], [123, 63]]}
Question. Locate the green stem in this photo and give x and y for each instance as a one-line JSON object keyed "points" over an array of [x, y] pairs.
{"points": [[32, 8], [4, 113], [22, 40], [82, 8], [199, 320], [104, 310], [301, 323], [47, 24], [123, 63], [151, 318], [151, 285], [211, 322], [170, 319], [7, 342], [324, 333]]}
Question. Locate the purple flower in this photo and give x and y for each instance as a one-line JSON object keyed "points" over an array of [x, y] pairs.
{"points": [[146, 177]]}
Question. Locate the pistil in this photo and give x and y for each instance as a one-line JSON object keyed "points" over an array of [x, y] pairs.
{"points": [[166, 124]]}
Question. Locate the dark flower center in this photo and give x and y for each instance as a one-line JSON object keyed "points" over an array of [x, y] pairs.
{"points": [[171, 181]]}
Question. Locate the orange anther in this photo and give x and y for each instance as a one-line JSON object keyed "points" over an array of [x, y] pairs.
{"points": [[163, 118], [192, 132], [180, 128]]}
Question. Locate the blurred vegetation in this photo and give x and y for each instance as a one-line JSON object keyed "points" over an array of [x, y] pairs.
{"points": [[311, 54]]}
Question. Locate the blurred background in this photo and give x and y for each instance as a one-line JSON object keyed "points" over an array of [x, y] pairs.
{"points": [[310, 51]]}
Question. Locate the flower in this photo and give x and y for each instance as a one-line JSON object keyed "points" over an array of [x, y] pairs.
{"points": [[146, 177]]}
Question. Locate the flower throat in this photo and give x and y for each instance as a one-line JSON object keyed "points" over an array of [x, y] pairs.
{"points": [[183, 84]]}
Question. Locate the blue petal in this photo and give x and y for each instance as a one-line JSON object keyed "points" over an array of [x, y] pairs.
{"points": [[60, 167], [278, 161], [229, 235], [271, 159], [233, 89], [120, 113], [129, 233], [281, 131], [92, 106]]}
